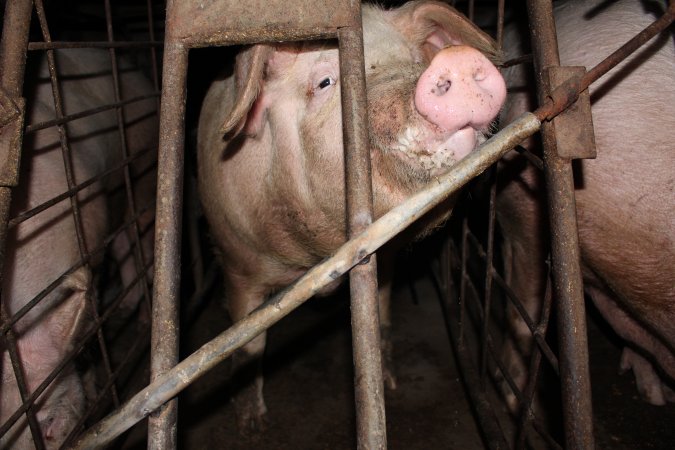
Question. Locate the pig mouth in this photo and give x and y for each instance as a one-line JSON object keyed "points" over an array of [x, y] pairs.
{"points": [[433, 154]]}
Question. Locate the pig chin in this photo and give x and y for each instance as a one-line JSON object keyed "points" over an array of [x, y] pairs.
{"points": [[434, 156]]}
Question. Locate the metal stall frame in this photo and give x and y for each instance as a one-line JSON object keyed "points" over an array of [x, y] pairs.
{"points": [[194, 24], [557, 87], [182, 20], [14, 48]]}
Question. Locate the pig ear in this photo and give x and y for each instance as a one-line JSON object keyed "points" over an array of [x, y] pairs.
{"points": [[248, 73], [434, 25]]}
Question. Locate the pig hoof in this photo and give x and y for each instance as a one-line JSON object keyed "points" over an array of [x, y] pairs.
{"points": [[389, 378], [251, 423]]}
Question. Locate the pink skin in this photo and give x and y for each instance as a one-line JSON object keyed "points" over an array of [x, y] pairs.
{"points": [[42, 248], [461, 91], [273, 187]]}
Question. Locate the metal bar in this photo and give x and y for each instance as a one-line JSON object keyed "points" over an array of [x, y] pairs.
{"points": [[13, 47], [535, 366], [168, 385], [368, 381], [520, 396], [70, 192], [89, 112], [567, 281], [493, 437], [70, 177], [54, 45], [166, 295], [137, 248], [489, 257], [515, 301]]}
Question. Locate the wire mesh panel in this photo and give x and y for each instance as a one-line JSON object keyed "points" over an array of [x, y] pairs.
{"points": [[78, 246]]}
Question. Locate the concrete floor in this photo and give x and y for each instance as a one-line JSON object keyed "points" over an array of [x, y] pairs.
{"points": [[308, 386]]}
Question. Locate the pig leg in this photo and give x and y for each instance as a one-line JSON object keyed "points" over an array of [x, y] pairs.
{"points": [[386, 272], [651, 389], [649, 384], [249, 404]]}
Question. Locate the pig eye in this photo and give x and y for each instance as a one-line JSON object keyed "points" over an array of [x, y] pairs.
{"points": [[326, 82]]}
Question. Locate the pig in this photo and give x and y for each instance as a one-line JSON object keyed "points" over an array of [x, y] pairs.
{"points": [[624, 197], [270, 156], [39, 250]]}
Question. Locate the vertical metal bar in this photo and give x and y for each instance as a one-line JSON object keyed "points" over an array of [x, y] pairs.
{"points": [[487, 301], [137, 247], [567, 281], [13, 50], [164, 340], [368, 382]]}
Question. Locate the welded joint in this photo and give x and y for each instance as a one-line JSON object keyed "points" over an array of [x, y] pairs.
{"points": [[574, 134]]}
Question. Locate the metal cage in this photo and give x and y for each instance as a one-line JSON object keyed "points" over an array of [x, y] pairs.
{"points": [[193, 24]]}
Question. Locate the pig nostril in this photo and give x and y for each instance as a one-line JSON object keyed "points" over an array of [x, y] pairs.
{"points": [[442, 86]]}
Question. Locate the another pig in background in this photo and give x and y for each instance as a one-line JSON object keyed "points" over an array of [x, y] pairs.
{"points": [[625, 198], [273, 188], [44, 247]]}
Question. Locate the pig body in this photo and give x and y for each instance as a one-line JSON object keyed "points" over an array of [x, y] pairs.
{"points": [[273, 188], [44, 247], [624, 198]]}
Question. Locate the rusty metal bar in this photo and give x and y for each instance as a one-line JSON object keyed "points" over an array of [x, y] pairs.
{"points": [[166, 289], [70, 192], [70, 178], [54, 45], [89, 112], [368, 382], [137, 247], [535, 365], [168, 385], [567, 281], [522, 397], [515, 301], [13, 48]]}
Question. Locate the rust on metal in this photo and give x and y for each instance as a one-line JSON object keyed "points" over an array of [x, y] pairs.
{"points": [[574, 125], [368, 382], [565, 257], [206, 23], [162, 430]]}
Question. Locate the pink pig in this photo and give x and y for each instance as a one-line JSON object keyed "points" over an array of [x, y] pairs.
{"points": [[273, 188], [624, 197], [40, 249]]}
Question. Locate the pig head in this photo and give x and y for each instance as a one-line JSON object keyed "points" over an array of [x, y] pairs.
{"points": [[624, 198], [41, 249], [273, 187]]}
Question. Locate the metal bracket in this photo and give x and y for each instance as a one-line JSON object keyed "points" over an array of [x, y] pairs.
{"points": [[575, 138]]}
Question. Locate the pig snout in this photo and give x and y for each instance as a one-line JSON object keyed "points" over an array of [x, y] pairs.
{"points": [[460, 89]]}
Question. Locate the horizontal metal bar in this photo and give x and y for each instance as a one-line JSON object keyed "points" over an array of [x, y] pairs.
{"points": [[54, 45], [73, 191], [89, 112]]}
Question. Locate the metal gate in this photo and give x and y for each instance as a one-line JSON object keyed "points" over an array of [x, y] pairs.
{"points": [[192, 24]]}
